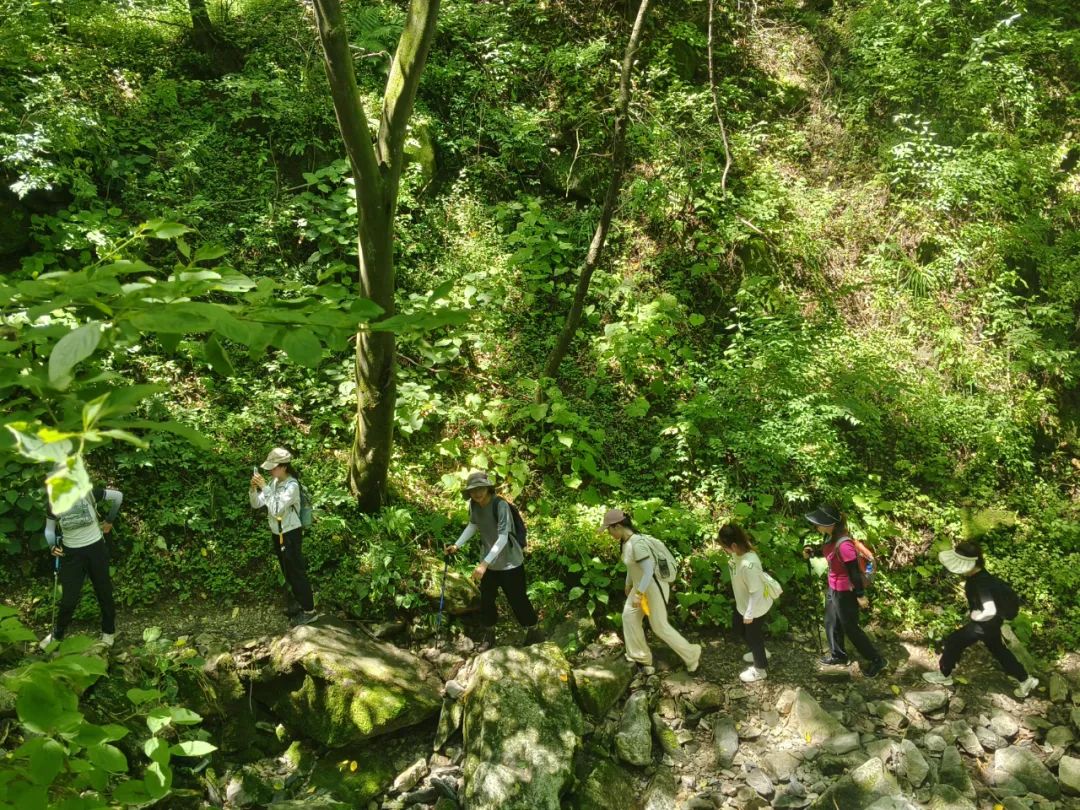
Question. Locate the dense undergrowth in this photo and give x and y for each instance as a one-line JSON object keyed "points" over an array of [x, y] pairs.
{"points": [[877, 306]]}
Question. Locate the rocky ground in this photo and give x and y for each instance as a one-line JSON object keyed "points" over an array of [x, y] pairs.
{"points": [[343, 714]]}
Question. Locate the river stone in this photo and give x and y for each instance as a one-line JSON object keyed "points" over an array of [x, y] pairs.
{"points": [[842, 743], [669, 742], [988, 739], [1058, 688], [607, 787], [1074, 715], [760, 782], [575, 633], [961, 732], [1060, 737], [633, 740], [779, 765], [725, 740], [810, 721], [893, 713], [952, 772], [893, 803], [599, 685], [661, 792], [928, 701], [912, 764], [522, 729], [1004, 725], [339, 688], [1024, 766], [1069, 774], [861, 788], [934, 743], [946, 797]]}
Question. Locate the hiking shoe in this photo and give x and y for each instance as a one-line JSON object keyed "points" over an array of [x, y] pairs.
{"points": [[534, 635], [835, 661], [1025, 688], [874, 668], [937, 679], [752, 674], [45, 642], [305, 617], [292, 611], [648, 669], [749, 657], [108, 639], [697, 661]]}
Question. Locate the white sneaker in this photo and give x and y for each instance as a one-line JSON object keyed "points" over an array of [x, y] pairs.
{"points": [[937, 678], [752, 674], [697, 661], [648, 669], [45, 642], [1025, 688], [108, 638], [749, 657]]}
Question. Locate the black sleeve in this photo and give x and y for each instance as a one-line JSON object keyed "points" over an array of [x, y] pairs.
{"points": [[98, 493], [855, 575]]}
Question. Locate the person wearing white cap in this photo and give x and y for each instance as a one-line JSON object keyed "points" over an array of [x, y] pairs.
{"points": [[281, 497], [644, 588], [990, 601], [503, 565]]}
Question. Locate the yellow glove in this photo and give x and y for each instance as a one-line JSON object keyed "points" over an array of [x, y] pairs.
{"points": [[645, 604]]}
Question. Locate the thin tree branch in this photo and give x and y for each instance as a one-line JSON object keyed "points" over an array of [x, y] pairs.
{"points": [[716, 105]]}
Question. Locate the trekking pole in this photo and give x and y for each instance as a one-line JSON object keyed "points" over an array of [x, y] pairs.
{"points": [[442, 598], [817, 593], [55, 585], [280, 534]]}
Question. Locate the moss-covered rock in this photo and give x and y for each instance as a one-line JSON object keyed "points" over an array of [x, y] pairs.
{"points": [[339, 688], [600, 684], [356, 776], [462, 594], [521, 729], [607, 787], [811, 722]]}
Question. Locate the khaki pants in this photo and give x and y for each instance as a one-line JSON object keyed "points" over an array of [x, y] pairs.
{"points": [[634, 634]]}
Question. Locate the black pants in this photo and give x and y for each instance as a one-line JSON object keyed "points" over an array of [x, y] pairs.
{"points": [[751, 634], [290, 556], [512, 583], [842, 619], [75, 565], [989, 633]]}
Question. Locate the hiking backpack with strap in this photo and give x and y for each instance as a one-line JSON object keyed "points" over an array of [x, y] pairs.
{"points": [[305, 510], [1005, 598], [864, 558], [520, 532], [666, 564]]}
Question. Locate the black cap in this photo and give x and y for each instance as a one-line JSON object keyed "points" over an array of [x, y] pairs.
{"points": [[824, 516]]}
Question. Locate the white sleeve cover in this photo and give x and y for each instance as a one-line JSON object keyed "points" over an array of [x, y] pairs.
{"points": [[496, 549], [647, 568], [989, 611], [50, 531], [469, 531]]}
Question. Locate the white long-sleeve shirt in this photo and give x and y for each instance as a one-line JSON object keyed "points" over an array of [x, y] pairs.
{"points": [[281, 499], [748, 586]]}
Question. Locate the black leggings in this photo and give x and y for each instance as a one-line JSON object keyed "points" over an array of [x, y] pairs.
{"points": [[512, 582], [842, 619], [751, 634], [989, 633], [75, 565], [290, 555]]}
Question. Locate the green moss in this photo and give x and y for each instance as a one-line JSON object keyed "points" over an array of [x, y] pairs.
{"points": [[355, 776]]}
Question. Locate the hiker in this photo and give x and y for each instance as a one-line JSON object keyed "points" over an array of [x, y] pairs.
{"points": [[991, 601], [503, 565], [281, 497], [82, 551], [846, 593], [646, 595], [752, 599]]}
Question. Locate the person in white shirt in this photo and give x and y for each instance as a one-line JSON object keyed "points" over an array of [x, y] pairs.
{"points": [[81, 548], [642, 584], [751, 601], [281, 497]]}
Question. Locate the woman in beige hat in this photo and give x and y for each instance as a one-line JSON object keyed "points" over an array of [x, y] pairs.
{"points": [[643, 584], [503, 565], [281, 497], [990, 601]]}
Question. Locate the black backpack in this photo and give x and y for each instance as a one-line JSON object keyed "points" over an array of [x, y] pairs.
{"points": [[520, 532], [1005, 598]]}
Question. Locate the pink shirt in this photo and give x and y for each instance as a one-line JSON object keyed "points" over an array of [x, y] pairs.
{"points": [[838, 577]]}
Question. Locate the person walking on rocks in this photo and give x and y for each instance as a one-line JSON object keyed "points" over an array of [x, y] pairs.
{"points": [[82, 551], [646, 595], [503, 565], [846, 593], [752, 599], [991, 601], [281, 497]]}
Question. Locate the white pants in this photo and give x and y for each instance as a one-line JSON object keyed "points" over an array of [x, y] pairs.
{"points": [[634, 634]]}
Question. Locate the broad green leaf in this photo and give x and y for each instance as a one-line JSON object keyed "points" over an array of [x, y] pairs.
{"points": [[47, 761], [157, 780], [71, 349], [40, 706], [184, 717], [193, 748], [742, 510], [302, 347], [108, 757], [166, 230], [157, 719], [218, 358], [132, 791], [158, 750], [141, 696], [208, 252], [181, 430]]}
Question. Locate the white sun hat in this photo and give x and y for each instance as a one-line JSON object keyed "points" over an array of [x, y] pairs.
{"points": [[957, 563]]}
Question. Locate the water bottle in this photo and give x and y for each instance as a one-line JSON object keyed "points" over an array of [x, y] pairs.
{"points": [[870, 568]]}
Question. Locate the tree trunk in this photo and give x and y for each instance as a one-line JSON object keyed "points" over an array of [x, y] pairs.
{"points": [[611, 198], [203, 37], [377, 172]]}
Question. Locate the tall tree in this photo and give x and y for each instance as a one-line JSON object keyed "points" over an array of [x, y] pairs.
{"points": [[376, 168], [611, 198]]}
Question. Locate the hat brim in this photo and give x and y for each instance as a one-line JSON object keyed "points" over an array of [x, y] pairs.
{"points": [[465, 492], [269, 465], [957, 563], [820, 517]]}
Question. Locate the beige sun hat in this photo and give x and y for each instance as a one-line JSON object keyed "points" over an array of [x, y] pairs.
{"points": [[613, 517], [279, 455], [476, 480], [957, 563]]}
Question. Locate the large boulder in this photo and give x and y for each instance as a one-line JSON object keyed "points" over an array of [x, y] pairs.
{"points": [[339, 688], [607, 787], [599, 684], [811, 722], [633, 740], [860, 789], [460, 594], [521, 729], [1022, 765]]}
